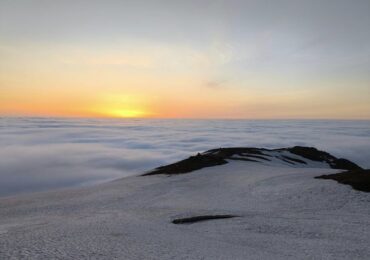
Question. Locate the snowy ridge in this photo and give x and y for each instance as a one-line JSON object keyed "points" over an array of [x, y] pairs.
{"points": [[298, 157], [281, 158]]}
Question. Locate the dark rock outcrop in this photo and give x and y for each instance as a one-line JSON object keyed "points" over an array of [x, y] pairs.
{"points": [[220, 156], [195, 219], [358, 179], [188, 165], [313, 154]]}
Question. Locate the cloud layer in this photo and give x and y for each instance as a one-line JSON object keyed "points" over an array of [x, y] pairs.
{"points": [[40, 154]]}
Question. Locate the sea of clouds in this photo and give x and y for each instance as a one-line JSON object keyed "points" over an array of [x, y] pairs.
{"points": [[39, 154]]}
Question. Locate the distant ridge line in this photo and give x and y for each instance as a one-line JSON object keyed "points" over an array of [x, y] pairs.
{"points": [[220, 156]]}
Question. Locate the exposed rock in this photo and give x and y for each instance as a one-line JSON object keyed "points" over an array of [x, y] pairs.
{"points": [[220, 156], [321, 156], [188, 165], [345, 164], [194, 219], [358, 179], [293, 159]]}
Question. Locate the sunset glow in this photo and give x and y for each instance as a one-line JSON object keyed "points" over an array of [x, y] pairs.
{"points": [[222, 62], [127, 113], [124, 113]]}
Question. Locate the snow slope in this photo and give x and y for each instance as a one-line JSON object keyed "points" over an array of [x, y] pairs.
{"points": [[284, 213]]}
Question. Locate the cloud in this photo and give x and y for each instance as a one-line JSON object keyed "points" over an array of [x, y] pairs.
{"points": [[216, 84], [40, 154]]}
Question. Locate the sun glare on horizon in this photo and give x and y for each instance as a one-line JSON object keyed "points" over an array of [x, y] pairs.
{"points": [[127, 113], [185, 59]]}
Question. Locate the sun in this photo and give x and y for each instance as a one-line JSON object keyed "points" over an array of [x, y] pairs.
{"points": [[122, 106], [127, 113]]}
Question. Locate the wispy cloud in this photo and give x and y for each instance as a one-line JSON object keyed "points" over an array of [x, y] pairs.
{"points": [[216, 84]]}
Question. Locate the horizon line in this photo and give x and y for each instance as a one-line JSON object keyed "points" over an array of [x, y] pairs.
{"points": [[182, 118]]}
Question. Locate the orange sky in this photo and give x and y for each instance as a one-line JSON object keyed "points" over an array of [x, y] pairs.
{"points": [[221, 63]]}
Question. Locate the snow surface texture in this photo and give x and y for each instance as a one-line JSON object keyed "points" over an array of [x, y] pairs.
{"points": [[283, 213], [38, 154]]}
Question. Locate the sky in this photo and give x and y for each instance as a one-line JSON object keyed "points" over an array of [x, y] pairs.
{"points": [[185, 59]]}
